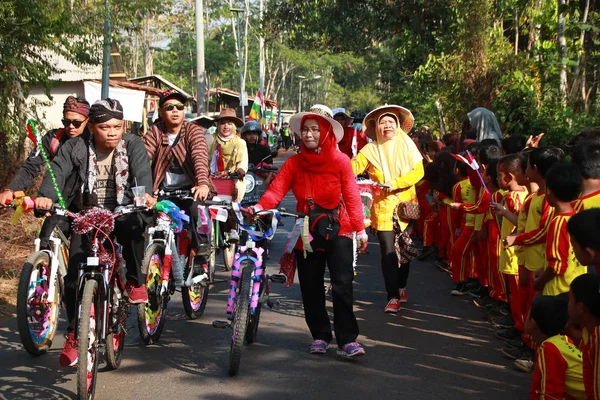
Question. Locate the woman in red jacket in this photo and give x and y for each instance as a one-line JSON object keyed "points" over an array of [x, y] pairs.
{"points": [[324, 175]]}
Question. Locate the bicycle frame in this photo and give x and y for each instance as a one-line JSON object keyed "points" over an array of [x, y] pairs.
{"points": [[248, 252], [59, 258], [163, 228]]}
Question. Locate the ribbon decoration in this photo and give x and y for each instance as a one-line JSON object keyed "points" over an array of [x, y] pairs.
{"points": [[255, 234], [177, 216], [33, 133], [306, 237], [24, 204]]}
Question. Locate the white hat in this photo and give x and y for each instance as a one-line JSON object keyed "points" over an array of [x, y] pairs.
{"points": [[296, 120], [321, 110]]}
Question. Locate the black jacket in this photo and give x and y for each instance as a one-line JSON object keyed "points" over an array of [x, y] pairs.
{"points": [[70, 167], [34, 164], [257, 152]]}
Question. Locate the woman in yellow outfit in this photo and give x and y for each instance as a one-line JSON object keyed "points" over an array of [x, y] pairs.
{"points": [[391, 159]]}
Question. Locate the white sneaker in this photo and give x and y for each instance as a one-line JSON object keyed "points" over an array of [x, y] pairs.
{"points": [[234, 237]]}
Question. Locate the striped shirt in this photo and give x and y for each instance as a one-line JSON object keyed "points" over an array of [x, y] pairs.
{"points": [[190, 151], [533, 239], [463, 192], [560, 256], [590, 346], [588, 201], [513, 202]]}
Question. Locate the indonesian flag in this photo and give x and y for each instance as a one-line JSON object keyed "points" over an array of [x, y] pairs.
{"points": [[257, 111], [354, 143], [30, 134], [217, 164], [469, 160]]}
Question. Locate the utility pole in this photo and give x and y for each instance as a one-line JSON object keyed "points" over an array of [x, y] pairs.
{"points": [[200, 67], [106, 55], [261, 50], [237, 11]]}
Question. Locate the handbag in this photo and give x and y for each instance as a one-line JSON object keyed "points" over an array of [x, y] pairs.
{"points": [[406, 210], [406, 243], [324, 223]]}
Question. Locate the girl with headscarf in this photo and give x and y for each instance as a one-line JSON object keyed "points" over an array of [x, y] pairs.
{"points": [[392, 159], [324, 175]]}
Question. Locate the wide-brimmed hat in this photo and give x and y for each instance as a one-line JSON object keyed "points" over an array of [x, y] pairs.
{"points": [[229, 113], [322, 110], [404, 116], [297, 119], [171, 94], [342, 111]]}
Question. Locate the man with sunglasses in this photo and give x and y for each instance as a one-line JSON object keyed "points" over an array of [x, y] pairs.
{"points": [[179, 156], [75, 117]]}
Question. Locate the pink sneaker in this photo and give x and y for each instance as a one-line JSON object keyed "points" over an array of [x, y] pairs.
{"points": [[68, 356], [137, 294], [403, 295], [393, 306]]}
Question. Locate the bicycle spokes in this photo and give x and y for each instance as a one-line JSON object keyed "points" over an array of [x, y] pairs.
{"points": [[39, 310]]}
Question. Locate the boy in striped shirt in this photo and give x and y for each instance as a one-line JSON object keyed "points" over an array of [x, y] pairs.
{"points": [[563, 185], [587, 158], [558, 370], [584, 309]]}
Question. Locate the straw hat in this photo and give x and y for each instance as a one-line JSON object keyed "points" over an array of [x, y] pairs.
{"points": [[404, 116], [229, 113], [296, 120], [321, 110]]}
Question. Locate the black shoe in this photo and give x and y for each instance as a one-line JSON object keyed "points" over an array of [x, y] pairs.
{"points": [[443, 265], [516, 354], [495, 304], [480, 293], [502, 310], [482, 302], [509, 334], [460, 289], [503, 322], [472, 285], [517, 344]]}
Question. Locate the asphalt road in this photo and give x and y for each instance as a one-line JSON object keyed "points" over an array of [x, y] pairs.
{"points": [[437, 347]]}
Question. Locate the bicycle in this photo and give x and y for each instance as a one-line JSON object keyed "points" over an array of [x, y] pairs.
{"points": [[39, 293], [102, 309], [249, 285], [225, 186], [169, 246]]}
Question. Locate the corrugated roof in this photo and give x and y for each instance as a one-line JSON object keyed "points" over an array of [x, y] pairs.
{"points": [[133, 86], [233, 93], [164, 81]]}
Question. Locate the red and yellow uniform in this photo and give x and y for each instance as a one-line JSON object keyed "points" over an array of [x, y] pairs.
{"points": [[497, 284], [480, 251], [558, 371], [462, 250], [430, 216], [447, 236], [560, 256], [588, 201], [590, 346], [423, 189], [509, 259]]}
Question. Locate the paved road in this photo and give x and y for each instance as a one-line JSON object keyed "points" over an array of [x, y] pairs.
{"points": [[438, 347]]}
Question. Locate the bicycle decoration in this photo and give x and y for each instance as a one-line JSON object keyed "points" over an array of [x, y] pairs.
{"points": [[177, 216], [36, 138], [23, 204]]}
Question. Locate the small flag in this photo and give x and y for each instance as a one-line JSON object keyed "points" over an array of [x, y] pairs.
{"points": [[469, 160], [258, 106], [216, 163]]}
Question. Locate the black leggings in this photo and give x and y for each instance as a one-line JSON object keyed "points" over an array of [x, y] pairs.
{"points": [[395, 276], [338, 256]]}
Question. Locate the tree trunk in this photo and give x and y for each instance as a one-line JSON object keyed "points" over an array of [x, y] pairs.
{"points": [[562, 50], [579, 74], [148, 56], [534, 28], [516, 31]]}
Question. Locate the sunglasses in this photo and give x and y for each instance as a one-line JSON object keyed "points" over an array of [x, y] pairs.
{"points": [[76, 124], [171, 106]]}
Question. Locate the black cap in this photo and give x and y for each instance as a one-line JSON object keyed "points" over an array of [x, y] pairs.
{"points": [[171, 94]]}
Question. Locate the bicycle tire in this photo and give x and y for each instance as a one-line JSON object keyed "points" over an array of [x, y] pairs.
{"points": [[87, 369], [36, 338], [151, 316], [252, 332], [194, 298], [229, 256], [240, 318], [115, 341]]}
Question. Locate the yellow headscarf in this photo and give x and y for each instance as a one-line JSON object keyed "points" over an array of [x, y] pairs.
{"points": [[395, 157]]}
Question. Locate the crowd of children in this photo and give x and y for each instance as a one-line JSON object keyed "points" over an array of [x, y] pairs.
{"points": [[517, 228]]}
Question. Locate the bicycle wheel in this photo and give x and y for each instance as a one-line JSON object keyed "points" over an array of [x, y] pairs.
{"points": [[115, 341], [228, 256], [89, 324], [252, 332], [194, 297], [240, 317], [152, 315], [37, 318]]}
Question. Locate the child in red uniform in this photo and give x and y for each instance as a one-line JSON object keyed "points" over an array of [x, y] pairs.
{"points": [[563, 185], [431, 220], [558, 370], [462, 250], [587, 157], [442, 196], [584, 309]]}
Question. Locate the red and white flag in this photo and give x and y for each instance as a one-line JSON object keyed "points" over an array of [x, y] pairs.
{"points": [[469, 160]]}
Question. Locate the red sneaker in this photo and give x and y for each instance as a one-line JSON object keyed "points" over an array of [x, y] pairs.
{"points": [[68, 356], [403, 295], [137, 294], [393, 306]]}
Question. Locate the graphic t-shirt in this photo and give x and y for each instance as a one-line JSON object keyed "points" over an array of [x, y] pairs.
{"points": [[105, 186]]}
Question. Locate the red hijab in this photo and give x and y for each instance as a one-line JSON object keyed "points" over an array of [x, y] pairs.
{"points": [[323, 158]]}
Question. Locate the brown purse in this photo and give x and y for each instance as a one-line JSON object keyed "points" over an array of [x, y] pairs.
{"points": [[406, 210]]}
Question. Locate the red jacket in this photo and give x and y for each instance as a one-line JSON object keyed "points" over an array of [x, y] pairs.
{"points": [[345, 144], [327, 190]]}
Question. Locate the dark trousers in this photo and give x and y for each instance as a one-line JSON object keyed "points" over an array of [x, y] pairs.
{"points": [[394, 275], [129, 230], [338, 256], [58, 221]]}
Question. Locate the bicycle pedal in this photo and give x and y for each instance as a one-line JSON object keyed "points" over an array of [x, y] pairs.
{"points": [[271, 303], [221, 324], [278, 278]]}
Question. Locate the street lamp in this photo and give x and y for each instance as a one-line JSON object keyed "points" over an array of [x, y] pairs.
{"points": [[302, 79], [237, 11]]}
